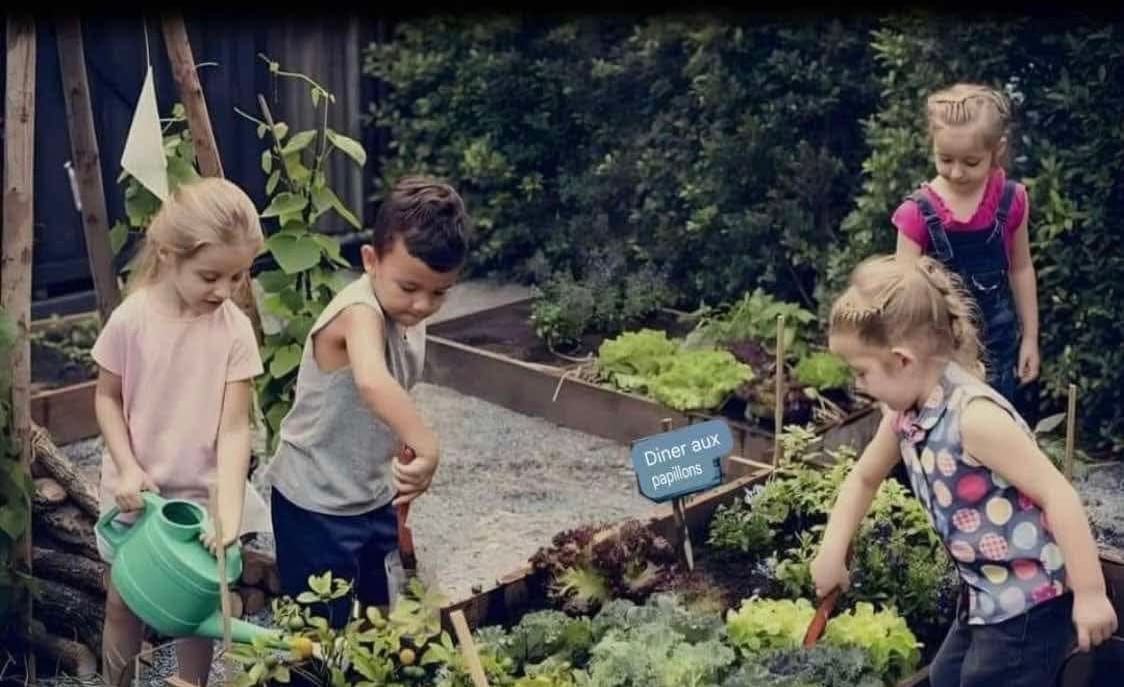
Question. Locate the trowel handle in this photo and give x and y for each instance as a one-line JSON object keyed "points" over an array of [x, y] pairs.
{"points": [[405, 536], [406, 456]]}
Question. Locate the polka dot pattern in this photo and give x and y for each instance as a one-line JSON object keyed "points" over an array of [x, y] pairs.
{"points": [[999, 538]]}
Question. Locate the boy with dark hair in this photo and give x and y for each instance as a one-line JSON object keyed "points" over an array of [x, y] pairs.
{"points": [[336, 475]]}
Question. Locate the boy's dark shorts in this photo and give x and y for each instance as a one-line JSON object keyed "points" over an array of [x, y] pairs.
{"points": [[352, 547]]}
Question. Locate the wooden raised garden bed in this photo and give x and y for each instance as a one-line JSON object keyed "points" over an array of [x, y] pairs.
{"points": [[494, 355], [63, 380], [519, 592]]}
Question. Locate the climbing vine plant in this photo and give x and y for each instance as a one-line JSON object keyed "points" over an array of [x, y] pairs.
{"points": [[309, 263], [15, 485]]}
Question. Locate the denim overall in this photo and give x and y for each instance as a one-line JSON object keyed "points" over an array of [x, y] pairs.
{"points": [[980, 258]]}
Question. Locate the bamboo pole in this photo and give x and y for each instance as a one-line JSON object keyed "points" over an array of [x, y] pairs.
{"points": [[18, 238], [778, 410], [87, 162], [1070, 431], [216, 524]]}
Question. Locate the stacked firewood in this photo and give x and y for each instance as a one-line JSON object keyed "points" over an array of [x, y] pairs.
{"points": [[69, 606]]}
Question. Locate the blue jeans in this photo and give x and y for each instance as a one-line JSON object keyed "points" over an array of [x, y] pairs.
{"points": [[1025, 651]]}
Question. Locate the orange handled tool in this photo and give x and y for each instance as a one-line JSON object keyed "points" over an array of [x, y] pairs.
{"points": [[823, 611], [405, 535]]}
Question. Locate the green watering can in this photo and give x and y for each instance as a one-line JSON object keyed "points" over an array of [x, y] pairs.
{"points": [[166, 575]]}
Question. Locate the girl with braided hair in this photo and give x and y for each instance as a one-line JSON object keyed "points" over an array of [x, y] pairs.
{"points": [[974, 220], [1013, 526]]}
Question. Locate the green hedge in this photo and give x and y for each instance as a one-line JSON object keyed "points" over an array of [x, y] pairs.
{"points": [[1067, 80], [688, 143], [730, 153]]}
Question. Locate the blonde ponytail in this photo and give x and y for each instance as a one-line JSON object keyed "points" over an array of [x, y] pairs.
{"points": [[891, 300]]}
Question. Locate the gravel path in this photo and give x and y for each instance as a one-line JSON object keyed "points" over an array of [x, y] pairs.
{"points": [[507, 484]]}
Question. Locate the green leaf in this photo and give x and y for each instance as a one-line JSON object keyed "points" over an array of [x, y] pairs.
{"points": [[118, 234], [13, 521], [294, 254], [180, 172], [331, 248], [271, 183], [307, 598], [275, 414], [273, 280], [315, 97], [281, 129], [299, 142], [285, 203], [262, 129], [285, 360], [266, 161], [349, 146]]}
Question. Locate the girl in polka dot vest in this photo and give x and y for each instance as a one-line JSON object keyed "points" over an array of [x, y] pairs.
{"points": [[1013, 525]]}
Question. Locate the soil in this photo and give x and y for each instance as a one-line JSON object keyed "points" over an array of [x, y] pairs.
{"points": [[507, 331]]}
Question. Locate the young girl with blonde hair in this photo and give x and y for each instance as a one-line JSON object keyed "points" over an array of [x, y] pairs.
{"points": [[176, 359], [1014, 527], [973, 219]]}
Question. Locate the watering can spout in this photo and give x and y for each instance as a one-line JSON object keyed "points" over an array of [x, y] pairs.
{"points": [[241, 632]]}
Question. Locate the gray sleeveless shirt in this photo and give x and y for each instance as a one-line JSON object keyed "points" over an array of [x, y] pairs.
{"points": [[333, 453]]}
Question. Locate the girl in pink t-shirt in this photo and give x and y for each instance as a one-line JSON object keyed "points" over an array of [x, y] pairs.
{"points": [[974, 220], [176, 360]]}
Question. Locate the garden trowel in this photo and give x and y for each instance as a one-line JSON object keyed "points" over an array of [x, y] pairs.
{"points": [[402, 565]]}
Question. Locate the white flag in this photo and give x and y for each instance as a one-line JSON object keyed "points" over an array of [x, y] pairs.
{"points": [[144, 147]]}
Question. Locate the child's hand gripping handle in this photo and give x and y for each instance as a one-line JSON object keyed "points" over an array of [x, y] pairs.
{"points": [[405, 535], [823, 612]]}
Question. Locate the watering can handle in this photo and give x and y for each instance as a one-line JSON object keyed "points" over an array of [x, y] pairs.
{"points": [[116, 534]]}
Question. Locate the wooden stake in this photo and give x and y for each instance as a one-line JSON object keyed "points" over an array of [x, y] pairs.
{"points": [[778, 411], [191, 93], [468, 648], [680, 514], [87, 167], [203, 138], [1070, 431], [15, 260], [223, 587]]}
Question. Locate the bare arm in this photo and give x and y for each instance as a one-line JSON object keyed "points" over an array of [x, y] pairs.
{"points": [[109, 409], [854, 499], [1024, 289], [233, 452], [991, 436], [365, 339]]}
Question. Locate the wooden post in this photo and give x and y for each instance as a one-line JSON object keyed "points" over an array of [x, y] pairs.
{"points": [[191, 92], [15, 260], [680, 514], [468, 648], [778, 412], [202, 137], [84, 149], [1070, 431]]}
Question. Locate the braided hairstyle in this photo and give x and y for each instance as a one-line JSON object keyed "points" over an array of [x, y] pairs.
{"points": [[969, 104], [891, 300]]}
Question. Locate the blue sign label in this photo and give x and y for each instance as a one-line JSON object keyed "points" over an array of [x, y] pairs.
{"points": [[681, 461]]}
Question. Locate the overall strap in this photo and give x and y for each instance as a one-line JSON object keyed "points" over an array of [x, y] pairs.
{"points": [[1005, 202], [937, 235]]}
